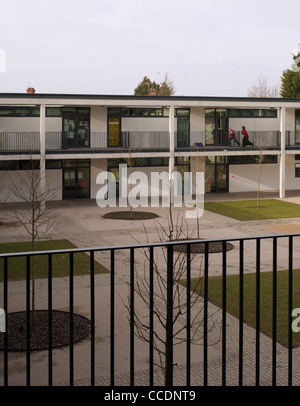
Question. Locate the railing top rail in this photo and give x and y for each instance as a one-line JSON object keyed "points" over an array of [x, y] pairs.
{"points": [[147, 245]]}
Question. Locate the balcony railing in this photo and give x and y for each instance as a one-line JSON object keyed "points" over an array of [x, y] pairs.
{"points": [[17, 142], [244, 355]]}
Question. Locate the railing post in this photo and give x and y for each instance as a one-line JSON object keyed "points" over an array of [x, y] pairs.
{"points": [[169, 326]]}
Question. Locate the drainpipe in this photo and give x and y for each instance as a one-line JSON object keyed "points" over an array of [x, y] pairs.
{"points": [[42, 156], [282, 154]]}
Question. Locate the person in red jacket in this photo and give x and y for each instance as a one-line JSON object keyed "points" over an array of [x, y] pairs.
{"points": [[232, 137], [246, 137]]}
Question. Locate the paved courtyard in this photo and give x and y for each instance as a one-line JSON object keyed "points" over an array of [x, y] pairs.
{"points": [[84, 226]]}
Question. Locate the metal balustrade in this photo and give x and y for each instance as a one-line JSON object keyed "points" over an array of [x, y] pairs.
{"points": [[257, 367], [56, 141]]}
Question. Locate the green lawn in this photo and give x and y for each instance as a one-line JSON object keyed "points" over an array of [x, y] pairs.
{"points": [[247, 209], [60, 262], [266, 300]]}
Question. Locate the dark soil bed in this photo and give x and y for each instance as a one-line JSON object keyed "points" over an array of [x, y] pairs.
{"points": [[199, 248], [39, 337], [130, 215]]}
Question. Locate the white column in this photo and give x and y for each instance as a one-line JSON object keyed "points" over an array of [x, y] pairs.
{"points": [[172, 150], [282, 154], [42, 155]]}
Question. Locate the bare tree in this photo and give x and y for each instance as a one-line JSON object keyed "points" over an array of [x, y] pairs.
{"points": [[176, 229], [37, 221], [262, 89]]}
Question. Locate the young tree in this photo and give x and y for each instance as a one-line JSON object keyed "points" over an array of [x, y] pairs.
{"points": [[290, 79], [37, 221], [183, 300]]}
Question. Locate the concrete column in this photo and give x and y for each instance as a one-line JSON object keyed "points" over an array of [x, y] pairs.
{"points": [[282, 154], [172, 151], [42, 155]]}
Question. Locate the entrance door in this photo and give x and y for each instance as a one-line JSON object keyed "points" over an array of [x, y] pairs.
{"points": [[114, 127], [216, 175], [76, 179], [221, 178], [76, 127], [183, 131]]}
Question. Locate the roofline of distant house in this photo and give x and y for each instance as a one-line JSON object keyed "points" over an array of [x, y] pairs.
{"points": [[134, 97]]}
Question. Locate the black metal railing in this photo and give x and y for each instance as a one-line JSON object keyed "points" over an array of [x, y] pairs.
{"points": [[237, 260]]}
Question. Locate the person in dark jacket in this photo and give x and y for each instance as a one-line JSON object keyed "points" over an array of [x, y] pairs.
{"points": [[246, 137]]}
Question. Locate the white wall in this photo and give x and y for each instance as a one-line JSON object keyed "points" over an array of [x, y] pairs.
{"points": [[197, 125], [244, 178], [53, 184], [255, 124], [145, 124], [98, 119], [29, 124], [97, 166]]}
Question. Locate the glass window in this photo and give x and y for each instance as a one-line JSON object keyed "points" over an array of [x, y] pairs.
{"points": [[246, 113], [53, 112], [6, 111], [258, 113], [210, 113], [234, 113], [141, 112], [272, 113], [156, 112], [182, 112], [114, 111], [53, 164], [166, 111]]}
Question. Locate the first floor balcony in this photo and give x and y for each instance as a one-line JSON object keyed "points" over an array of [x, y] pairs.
{"points": [[140, 141]]}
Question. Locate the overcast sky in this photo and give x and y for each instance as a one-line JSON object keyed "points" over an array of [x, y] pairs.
{"points": [[207, 47]]}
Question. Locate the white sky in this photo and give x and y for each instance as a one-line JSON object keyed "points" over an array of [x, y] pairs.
{"points": [[208, 47]]}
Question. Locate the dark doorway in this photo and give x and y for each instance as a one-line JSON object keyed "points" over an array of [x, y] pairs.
{"points": [[76, 179]]}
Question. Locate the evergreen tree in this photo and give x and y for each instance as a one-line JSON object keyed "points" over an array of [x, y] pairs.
{"points": [[165, 88], [144, 87], [290, 79]]}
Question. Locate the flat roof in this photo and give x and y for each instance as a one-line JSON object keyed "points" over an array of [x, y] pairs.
{"points": [[146, 97], [144, 101]]}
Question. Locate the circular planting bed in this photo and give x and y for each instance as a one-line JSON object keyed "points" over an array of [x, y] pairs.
{"points": [[39, 336], [199, 248], [130, 215]]}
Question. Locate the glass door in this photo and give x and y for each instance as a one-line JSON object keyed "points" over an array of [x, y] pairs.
{"points": [[83, 179], [114, 127], [70, 184], [69, 127], [297, 132], [221, 178], [216, 175], [183, 131], [76, 179], [76, 127]]}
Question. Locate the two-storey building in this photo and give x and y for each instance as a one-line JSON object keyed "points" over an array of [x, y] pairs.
{"points": [[72, 138]]}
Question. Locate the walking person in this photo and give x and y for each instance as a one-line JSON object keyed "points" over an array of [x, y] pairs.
{"points": [[246, 138], [232, 137]]}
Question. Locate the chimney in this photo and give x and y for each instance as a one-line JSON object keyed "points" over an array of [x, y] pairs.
{"points": [[30, 90], [152, 92]]}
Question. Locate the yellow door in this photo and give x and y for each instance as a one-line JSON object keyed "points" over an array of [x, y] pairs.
{"points": [[113, 131]]}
